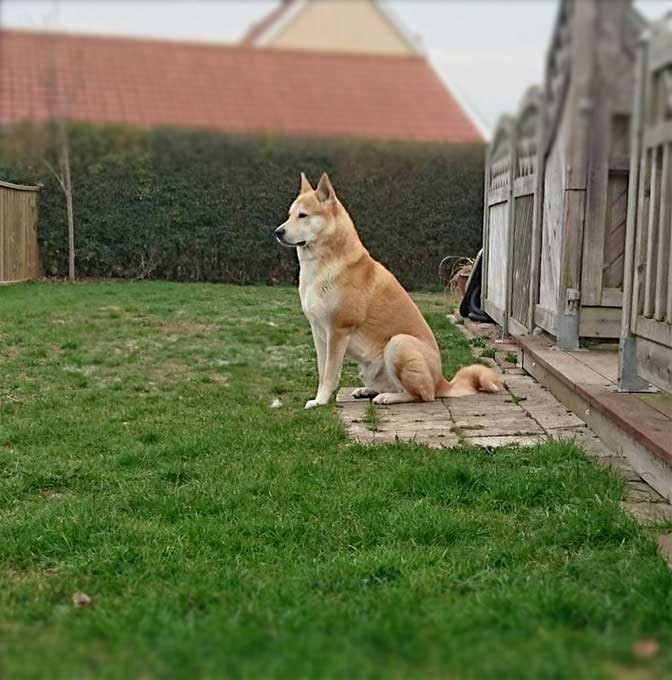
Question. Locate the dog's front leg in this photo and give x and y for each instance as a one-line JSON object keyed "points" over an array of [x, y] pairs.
{"points": [[320, 342], [337, 343]]}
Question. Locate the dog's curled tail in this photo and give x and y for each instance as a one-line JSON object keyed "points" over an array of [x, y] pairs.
{"points": [[470, 380]]}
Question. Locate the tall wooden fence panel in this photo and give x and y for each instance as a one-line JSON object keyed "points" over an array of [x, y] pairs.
{"points": [[646, 341], [498, 188], [615, 33], [526, 196], [555, 142], [19, 256]]}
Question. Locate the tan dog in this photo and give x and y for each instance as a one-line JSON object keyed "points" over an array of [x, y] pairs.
{"points": [[358, 309]]}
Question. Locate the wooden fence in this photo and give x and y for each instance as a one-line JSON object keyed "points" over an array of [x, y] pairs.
{"points": [[526, 196], [19, 256], [646, 337], [557, 180], [498, 186]]}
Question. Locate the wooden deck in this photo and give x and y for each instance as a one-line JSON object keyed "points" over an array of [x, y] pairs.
{"points": [[638, 425]]}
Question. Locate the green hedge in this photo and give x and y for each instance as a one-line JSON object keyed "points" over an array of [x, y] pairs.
{"points": [[201, 206]]}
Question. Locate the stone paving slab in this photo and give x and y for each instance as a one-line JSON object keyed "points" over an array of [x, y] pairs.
{"points": [[491, 420]]}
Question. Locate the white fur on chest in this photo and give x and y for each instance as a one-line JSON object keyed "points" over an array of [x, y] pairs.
{"points": [[319, 297]]}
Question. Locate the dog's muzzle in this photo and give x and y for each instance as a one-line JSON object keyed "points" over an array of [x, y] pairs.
{"points": [[280, 235]]}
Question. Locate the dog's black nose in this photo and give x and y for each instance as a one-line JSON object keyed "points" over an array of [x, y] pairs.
{"points": [[280, 232]]}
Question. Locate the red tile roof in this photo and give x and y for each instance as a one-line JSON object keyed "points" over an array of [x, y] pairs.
{"points": [[238, 89]]}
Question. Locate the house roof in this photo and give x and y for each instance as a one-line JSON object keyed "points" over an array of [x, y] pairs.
{"points": [[237, 89], [262, 32], [261, 27]]}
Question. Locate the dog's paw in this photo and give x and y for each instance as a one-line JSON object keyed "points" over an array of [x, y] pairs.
{"points": [[312, 403], [391, 398], [364, 393]]}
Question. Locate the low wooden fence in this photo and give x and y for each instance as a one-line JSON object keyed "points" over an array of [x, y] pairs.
{"points": [[646, 337], [19, 256]]}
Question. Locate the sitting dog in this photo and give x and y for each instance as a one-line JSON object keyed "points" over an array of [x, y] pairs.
{"points": [[357, 308]]}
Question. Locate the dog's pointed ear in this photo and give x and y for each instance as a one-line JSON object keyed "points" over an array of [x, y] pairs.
{"points": [[305, 184], [325, 190]]}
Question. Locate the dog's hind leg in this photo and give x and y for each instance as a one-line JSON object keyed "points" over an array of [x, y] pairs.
{"points": [[407, 367]]}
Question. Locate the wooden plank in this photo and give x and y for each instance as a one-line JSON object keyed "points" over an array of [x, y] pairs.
{"points": [[660, 52], [516, 328], [552, 224], [640, 237], [567, 334], [645, 424], [521, 256], [600, 322], [10, 253], [662, 402], [657, 134], [545, 318], [500, 195], [497, 313], [612, 297], [603, 362], [663, 239], [37, 265], [523, 186], [486, 226], [652, 232], [18, 187], [596, 199], [656, 331], [21, 250], [580, 93], [537, 217], [18, 229], [3, 198], [654, 362], [570, 371], [496, 287], [668, 313], [614, 233]]}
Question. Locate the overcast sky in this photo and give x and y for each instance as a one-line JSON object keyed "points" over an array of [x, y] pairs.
{"points": [[488, 51]]}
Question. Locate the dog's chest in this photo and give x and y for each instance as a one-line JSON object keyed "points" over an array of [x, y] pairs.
{"points": [[319, 298], [318, 302]]}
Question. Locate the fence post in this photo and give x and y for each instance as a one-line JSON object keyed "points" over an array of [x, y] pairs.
{"points": [[569, 293], [628, 376]]}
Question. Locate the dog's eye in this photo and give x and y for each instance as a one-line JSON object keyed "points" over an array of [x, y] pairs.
{"points": [[302, 215]]}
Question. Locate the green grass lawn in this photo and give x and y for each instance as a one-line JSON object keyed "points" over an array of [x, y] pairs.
{"points": [[141, 463]]}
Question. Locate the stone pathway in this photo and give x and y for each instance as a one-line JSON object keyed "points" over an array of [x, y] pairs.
{"points": [[526, 413]]}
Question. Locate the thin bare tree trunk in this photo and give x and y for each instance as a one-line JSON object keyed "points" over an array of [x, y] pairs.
{"points": [[67, 189]]}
